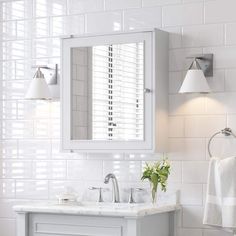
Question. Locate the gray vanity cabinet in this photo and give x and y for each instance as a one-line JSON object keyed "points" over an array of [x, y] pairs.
{"points": [[46, 224]]}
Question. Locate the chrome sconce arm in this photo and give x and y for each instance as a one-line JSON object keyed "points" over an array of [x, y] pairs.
{"points": [[203, 62], [54, 78]]}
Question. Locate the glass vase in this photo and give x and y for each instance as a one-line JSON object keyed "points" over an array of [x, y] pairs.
{"points": [[154, 194]]}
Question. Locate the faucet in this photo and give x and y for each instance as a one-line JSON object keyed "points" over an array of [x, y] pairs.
{"points": [[115, 187]]}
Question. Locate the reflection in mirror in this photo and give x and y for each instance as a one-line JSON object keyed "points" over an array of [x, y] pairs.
{"points": [[107, 92]]}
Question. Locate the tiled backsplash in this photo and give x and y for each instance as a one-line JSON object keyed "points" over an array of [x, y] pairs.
{"points": [[32, 166]]}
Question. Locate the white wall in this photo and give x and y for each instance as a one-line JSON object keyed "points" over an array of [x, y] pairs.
{"points": [[31, 165]]}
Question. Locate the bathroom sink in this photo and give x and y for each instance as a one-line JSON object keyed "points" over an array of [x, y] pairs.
{"points": [[100, 205], [110, 205]]}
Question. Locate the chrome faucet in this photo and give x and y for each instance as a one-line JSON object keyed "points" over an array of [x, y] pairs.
{"points": [[115, 187]]}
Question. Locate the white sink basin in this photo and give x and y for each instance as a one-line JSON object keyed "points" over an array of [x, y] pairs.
{"points": [[111, 205], [100, 205]]}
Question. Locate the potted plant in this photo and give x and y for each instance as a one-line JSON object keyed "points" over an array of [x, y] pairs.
{"points": [[157, 173]]}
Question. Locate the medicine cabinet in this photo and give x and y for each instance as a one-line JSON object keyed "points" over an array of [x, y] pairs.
{"points": [[114, 94]]}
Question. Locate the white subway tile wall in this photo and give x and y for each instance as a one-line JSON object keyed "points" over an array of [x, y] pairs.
{"points": [[32, 166]]}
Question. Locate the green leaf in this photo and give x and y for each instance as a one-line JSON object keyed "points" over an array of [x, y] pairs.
{"points": [[157, 173]]}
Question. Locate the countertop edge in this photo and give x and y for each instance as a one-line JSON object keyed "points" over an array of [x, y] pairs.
{"points": [[21, 209]]}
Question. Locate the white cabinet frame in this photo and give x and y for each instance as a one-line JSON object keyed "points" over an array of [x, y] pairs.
{"points": [[155, 102]]}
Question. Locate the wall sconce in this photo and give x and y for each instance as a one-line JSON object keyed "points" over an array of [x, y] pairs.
{"points": [[195, 79], [40, 89]]}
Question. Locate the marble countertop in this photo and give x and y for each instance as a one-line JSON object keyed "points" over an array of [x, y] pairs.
{"points": [[96, 209]]}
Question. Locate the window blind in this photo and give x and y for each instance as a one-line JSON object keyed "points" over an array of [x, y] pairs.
{"points": [[117, 93]]}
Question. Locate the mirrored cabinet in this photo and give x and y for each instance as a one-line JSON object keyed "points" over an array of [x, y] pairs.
{"points": [[114, 92]]}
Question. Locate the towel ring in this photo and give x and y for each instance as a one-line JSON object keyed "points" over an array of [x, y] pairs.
{"points": [[225, 131]]}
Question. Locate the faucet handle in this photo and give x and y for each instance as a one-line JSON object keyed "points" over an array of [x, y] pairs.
{"points": [[100, 189], [131, 196]]}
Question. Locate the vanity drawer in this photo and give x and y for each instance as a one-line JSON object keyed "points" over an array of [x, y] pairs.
{"points": [[68, 225]]}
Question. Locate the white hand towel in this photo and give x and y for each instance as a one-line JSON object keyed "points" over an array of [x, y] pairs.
{"points": [[220, 208], [213, 212]]}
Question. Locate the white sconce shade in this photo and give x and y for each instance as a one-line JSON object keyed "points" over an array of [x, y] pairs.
{"points": [[195, 79], [38, 88], [195, 82]]}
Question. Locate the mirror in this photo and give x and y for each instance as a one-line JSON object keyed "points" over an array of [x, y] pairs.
{"points": [[107, 92]]}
